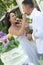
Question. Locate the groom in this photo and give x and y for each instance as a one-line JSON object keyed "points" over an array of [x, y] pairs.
{"points": [[37, 25]]}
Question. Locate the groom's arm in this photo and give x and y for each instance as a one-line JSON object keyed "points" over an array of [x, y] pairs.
{"points": [[39, 33]]}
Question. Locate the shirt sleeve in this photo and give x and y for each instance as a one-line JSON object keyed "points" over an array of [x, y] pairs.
{"points": [[39, 32]]}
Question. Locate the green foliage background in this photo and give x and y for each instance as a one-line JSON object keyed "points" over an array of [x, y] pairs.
{"points": [[5, 5]]}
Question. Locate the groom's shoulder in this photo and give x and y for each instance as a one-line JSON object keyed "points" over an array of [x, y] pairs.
{"points": [[39, 14]]}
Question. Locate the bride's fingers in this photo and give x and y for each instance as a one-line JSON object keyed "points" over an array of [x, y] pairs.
{"points": [[24, 16]]}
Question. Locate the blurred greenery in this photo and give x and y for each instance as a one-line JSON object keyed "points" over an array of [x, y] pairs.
{"points": [[41, 62], [5, 5], [1, 63], [30, 31]]}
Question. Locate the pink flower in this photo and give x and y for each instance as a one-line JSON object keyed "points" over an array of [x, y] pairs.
{"points": [[5, 40]]}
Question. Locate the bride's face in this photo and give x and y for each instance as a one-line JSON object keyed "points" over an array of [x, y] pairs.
{"points": [[12, 18]]}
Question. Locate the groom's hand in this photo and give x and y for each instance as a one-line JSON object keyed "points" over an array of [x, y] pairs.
{"points": [[29, 36]]}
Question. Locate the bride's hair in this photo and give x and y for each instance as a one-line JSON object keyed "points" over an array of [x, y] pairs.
{"points": [[7, 22]]}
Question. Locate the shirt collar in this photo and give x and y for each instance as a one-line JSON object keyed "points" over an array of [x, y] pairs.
{"points": [[33, 13]]}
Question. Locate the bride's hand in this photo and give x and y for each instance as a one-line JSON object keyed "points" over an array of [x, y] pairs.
{"points": [[24, 17], [29, 36]]}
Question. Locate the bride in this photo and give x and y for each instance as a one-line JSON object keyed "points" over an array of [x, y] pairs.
{"points": [[19, 33]]}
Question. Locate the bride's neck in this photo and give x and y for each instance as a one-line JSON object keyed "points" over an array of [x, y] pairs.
{"points": [[13, 25]]}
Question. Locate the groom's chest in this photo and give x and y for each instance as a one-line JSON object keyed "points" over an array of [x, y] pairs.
{"points": [[35, 24]]}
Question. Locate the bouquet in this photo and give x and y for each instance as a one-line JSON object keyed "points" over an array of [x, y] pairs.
{"points": [[7, 43], [2, 34], [28, 20]]}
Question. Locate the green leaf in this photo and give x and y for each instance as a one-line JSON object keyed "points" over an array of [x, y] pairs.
{"points": [[17, 43], [12, 38], [4, 49], [0, 49]]}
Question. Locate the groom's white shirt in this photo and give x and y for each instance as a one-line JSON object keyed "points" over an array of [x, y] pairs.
{"points": [[37, 26]]}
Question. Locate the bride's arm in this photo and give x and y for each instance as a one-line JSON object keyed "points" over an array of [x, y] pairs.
{"points": [[21, 31]]}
